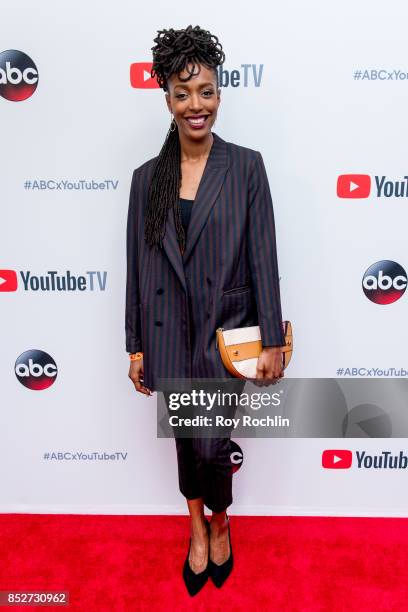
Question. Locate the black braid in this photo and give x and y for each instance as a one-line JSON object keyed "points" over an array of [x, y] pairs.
{"points": [[173, 52]]}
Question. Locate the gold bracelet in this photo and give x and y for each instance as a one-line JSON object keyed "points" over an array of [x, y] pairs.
{"points": [[135, 356]]}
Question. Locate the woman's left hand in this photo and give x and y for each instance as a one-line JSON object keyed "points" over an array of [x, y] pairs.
{"points": [[269, 368]]}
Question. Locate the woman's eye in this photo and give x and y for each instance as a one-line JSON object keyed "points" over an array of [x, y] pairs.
{"points": [[181, 96]]}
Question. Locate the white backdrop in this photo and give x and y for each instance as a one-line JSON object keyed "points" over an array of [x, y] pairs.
{"points": [[311, 120]]}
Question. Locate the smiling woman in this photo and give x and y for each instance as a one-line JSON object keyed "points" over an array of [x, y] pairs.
{"points": [[205, 89], [200, 229], [185, 65], [201, 95]]}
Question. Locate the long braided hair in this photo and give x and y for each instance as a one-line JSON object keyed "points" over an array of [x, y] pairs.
{"points": [[174, 50]]}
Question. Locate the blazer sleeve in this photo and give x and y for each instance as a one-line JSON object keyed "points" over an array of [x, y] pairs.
{"points": [[132, 315], [262, 254]]}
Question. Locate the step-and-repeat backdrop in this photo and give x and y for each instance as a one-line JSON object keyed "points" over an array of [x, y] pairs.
{"points": [[321, 91]]}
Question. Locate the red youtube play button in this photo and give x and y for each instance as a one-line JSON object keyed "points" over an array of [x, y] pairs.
{"points": [[335, 459], [353, 186], [8, 280], [140, 76]]}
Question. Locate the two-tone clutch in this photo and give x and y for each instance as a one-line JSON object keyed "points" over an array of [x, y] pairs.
{"points": [[240, 348]]}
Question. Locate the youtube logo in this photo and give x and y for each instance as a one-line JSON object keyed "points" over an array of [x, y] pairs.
{"points": [[8, 280], [353, 186], [140, 76], [335, 459]]}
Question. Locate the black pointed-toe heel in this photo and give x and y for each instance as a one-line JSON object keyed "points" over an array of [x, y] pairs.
{"points": [[219, 573], [195, 582]]}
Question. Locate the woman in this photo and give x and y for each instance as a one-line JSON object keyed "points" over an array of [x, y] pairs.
{"points": [[201, 254]]}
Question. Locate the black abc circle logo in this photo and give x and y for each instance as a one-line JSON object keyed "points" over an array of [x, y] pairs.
{"points": [[384, 282], [36, 369], [236, 456], [18, 75]]}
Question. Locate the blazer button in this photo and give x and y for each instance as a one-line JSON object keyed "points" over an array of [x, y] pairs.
{"points": [[208, 280], [158, 323], [159, 291]]}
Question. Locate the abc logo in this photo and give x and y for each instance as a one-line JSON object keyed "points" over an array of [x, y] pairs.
{"points": [[18, 75], [36, 370], [384, 282], [236, 455]]}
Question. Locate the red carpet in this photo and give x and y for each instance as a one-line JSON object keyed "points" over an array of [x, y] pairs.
{"points": [[127, 563]]}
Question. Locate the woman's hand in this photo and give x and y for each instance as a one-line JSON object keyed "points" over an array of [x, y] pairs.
{"points": [[136, 376], [269, 368]]}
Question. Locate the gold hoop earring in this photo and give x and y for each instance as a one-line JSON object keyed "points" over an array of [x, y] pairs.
{"points": [[173, 125]]}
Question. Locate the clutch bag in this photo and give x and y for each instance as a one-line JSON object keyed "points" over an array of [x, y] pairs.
{"points": [[240, 348]]}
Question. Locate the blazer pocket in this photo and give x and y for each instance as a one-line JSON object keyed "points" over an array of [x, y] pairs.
{"points": [[235, 290], [238, 308]]}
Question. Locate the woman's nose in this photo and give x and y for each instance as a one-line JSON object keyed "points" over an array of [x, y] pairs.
{"points": [[195, 103]]}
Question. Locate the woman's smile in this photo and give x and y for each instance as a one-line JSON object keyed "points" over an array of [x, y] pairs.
{"points": [[196, 122]]}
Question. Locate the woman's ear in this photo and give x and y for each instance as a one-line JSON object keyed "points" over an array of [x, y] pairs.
{"points": [[167, 96]]}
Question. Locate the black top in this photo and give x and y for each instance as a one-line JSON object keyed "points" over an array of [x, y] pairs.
{"points": [[186, 206]]}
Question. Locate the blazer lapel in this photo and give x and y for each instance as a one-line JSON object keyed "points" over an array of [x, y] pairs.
{"points": [[172, 248], [208, 190]]}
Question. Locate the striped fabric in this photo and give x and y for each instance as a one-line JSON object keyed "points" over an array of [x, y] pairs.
{"points": [[204, 461], [227, 276]]}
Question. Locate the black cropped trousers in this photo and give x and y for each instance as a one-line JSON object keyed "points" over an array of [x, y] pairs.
{"points": [[204, 463]]}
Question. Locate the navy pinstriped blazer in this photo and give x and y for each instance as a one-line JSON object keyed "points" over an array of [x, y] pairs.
{"points": [[227, 276]]}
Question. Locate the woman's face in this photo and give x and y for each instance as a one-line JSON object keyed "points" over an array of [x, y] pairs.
{"points": [[198, 97]]}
